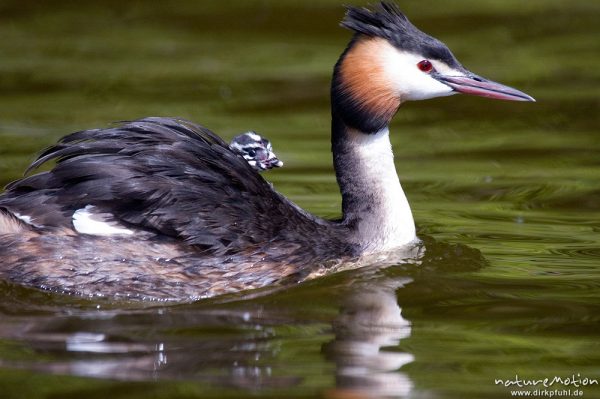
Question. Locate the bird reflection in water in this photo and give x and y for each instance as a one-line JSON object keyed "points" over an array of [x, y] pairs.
{"points": [[251, 344], [233, 347], [368, 322]]}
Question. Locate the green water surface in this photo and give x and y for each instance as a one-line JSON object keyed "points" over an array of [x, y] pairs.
{"points": [[505, 195]]}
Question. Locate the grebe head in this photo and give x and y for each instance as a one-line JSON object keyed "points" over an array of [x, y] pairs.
{"points": [[390, 61], [256, 150]]}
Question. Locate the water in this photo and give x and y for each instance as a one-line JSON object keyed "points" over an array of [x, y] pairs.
{"points": [[506, 196]]}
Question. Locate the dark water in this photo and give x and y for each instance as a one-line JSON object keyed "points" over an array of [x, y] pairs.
{"points": [[506, 196]]}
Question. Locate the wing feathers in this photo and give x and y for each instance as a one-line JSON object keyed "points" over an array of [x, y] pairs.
{"points": [[167, 176]]}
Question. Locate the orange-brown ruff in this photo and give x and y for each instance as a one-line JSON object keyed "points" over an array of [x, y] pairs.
{"points": [[366, 81], [162, 208]]}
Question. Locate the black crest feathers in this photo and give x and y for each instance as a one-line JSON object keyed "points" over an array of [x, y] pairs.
{"points": [[385, 20]]}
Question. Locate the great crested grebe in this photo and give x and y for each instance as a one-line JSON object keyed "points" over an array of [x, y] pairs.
{"points": [[161, 208], [256, 150]]}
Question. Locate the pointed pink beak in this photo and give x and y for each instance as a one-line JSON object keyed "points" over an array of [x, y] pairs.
{"points": [[478, 86]]}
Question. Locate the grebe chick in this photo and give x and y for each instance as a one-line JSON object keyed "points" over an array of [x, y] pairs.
{"points": [[255, 149], [162, 208]]}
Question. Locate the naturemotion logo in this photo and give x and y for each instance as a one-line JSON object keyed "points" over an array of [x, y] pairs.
{"points": [[574, 381]]}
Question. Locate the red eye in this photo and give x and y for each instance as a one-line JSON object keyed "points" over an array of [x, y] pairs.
{"points": [[425, 66]]}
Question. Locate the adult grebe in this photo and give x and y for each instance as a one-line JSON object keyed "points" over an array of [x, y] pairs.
{"points": [[161, 208]]}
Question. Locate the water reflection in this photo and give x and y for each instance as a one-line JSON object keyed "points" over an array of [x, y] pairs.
{"points": [[223, 348], [244, 346], [344, 331], [369, 321]]}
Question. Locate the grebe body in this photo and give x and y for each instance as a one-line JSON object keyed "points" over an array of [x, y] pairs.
{"points": [[162, 208], [138, 211]]}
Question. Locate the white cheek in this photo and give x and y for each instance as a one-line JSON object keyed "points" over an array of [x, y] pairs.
{"points": [[425, 87], [410, 82]]}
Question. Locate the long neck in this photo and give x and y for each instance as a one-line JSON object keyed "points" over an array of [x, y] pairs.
{"points": [[374, 206], [363, 102]]}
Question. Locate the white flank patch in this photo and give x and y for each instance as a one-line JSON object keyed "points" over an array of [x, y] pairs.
{"points": [[87, 221], [24, 218]]}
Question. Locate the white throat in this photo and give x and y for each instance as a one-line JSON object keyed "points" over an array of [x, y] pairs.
{"points": [[386, 222]]}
